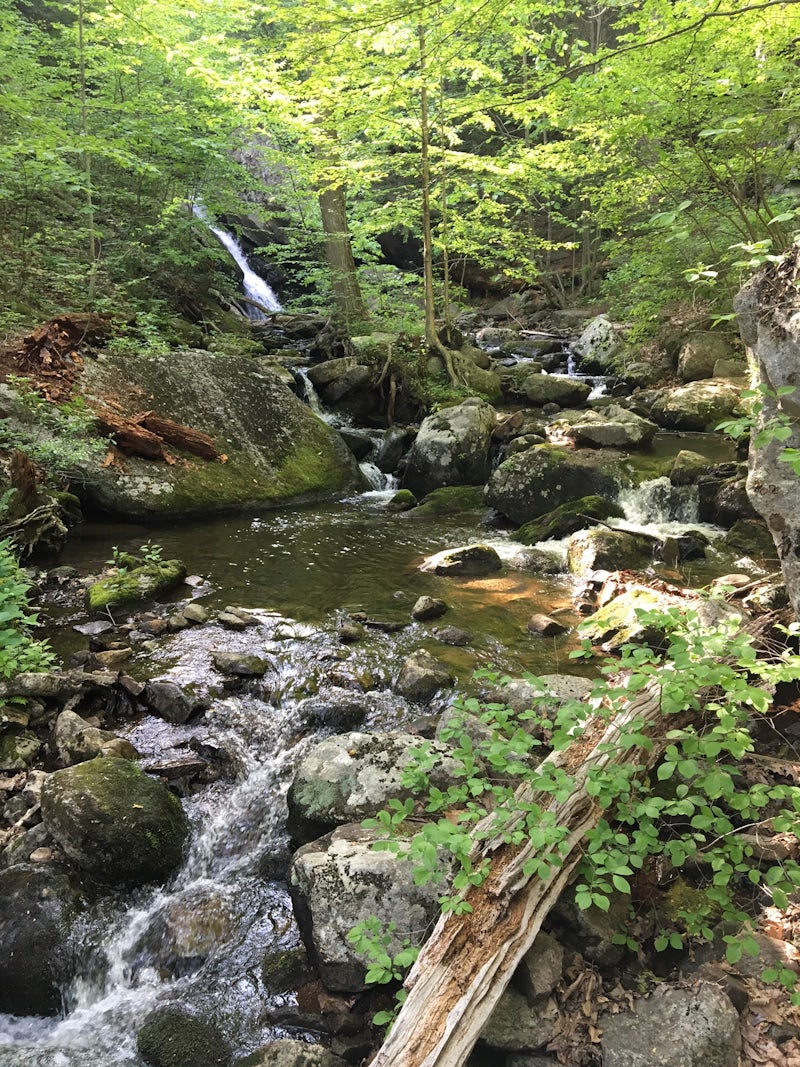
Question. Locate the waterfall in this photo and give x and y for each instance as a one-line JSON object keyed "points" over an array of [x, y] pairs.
{"points": [[253, 285], [658, 502]]}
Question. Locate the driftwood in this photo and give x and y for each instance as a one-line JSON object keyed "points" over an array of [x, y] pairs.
{"points": [[466, 964], [146, 434]]}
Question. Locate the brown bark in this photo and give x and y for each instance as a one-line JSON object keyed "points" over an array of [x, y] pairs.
{"points": [[463, 969], [184, 437], [348, 302]]}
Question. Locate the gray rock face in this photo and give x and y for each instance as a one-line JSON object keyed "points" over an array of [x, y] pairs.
{"points": [[611, 550], [520, 695], [769, 322], [339, 881], [114, 822], [674, 1028], [288, 1053], [474, 560], [168, 701], [240, 665], [276, 448], [700, 354], [421, 677], [534, 482], [541, 967], [75, 740], [349, 777], [38, 904], [451, 448], [699, 406], [613, 427], [541, 389], [517, 1026], [599, 343]]}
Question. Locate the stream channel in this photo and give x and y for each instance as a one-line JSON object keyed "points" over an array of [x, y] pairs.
{"points": [[200, 940]]}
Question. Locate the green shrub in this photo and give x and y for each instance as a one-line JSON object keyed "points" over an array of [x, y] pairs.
{"points": [[19, 651]]}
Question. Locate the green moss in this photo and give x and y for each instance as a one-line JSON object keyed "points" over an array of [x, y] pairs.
{"points": [[567, 518], [135, 586], [172, 1038], [403, 500], [452, 500]]}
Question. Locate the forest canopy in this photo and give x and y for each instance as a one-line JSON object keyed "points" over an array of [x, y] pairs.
{"points": [[646, 151]]}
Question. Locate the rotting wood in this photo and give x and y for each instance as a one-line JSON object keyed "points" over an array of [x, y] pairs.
{"points": [[469, 960], [146, 434], [184, 437], [130, 438]]}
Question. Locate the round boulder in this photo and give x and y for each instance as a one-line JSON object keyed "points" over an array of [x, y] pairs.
{"points": [[451, 448], [170, 1037], [38, 904], [534, 482], [114, 822], [699, 406]]}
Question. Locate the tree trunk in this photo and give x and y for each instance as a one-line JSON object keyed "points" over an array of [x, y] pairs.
{"points": [[768, 307], [464, 968], [348, 302]]}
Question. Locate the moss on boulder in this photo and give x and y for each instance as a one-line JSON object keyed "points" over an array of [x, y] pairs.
{"points": [[274, 448], [135, 586], [114, 822], [568, 519], [170, 1037]]}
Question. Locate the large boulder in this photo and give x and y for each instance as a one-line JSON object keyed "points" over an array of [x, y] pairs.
{"points": [[609, 550], [338, 882], [351, 776], [38, 905], [534, 482], [114, 822], [451, 448], [275, 449], [598, 344], [700, 354], [674, 1028], [541, 389], [699, 406], [613, 427]]}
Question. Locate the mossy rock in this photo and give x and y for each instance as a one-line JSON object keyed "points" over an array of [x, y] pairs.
{"points": [[170, 1037], [115, 822], [452, 500], [568, 519], [403, 500], [274, 448], [135, 586], [18, 750]]}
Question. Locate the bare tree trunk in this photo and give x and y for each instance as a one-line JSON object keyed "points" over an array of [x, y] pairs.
{"points": [[347, 298], [463, 969]]}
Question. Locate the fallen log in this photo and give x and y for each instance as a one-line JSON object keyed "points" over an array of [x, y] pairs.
{"points": [[130, 437], [465, 966], [184, 437]]}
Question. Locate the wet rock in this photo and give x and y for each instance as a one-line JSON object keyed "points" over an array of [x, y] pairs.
{"points": [[350, 632], [114, 822], [604, 549], [55, 685], [240, 665], [517, 1026], [543, 389], [153, 627], [428, 607], [287, 970], [396, 442], [472, 560], [289, 1053], [171, 1037], [567, 519], [113, 658], [730, 502], [339, 881], [135, 586], [613, 427], [236, 619], [699, 406], [169, 701], [177, 622], [196, 613], [534, 482], [94, 628], [451, 448], [38, 905], [545, 626], [688, 466], [452, 635], [451, 500], [748, 537], [76, 740], [421, 677], [403, 500], [337, 709], [352, 776], [674, 1028]]}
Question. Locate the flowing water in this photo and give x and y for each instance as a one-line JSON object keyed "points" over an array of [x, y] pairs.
{"points": [[200, 940], [253, 285]]}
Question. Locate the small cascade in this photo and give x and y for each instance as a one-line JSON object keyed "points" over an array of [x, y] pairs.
{"points": [[659, 502], [253, 285], [380, 482]]}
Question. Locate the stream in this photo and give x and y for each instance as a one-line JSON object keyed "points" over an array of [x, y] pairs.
{"points": [[201, 939]]}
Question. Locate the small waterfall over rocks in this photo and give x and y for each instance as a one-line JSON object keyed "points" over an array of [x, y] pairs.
{"points": [[659, 502], [253, 285]]}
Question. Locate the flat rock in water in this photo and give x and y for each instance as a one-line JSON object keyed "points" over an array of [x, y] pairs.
{"points": [[240, 665], [94, 628]]}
